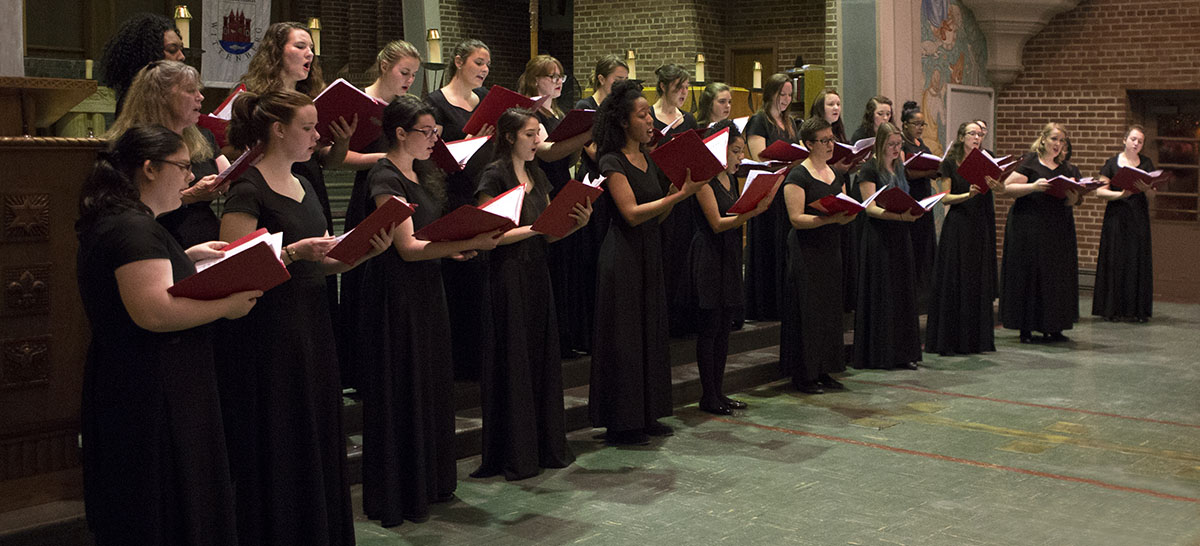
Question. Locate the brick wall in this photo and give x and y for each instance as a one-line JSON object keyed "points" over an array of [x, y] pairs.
{"points": [[502, 25], [352, 33], [1077, 72], [796, 28]]}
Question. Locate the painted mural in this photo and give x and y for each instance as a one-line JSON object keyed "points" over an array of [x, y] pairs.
{"points": [[953, 51]]}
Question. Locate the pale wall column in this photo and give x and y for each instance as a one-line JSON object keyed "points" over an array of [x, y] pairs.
{"points": [[900, 74], [419, 16], [12, 39]]}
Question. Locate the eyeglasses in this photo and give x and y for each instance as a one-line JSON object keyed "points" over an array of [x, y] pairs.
{"points": [[431, 133], [554, 77], [917, 123], [185, 165], [974, 133], [825, 141]]}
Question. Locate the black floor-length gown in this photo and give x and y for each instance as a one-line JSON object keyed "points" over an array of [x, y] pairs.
{"points": [[467, 292], [1125, 265], [1038, 283], [280, 390], [524, 424], [352, 341], [886, 326], [196, 223], [766, 240], [631, 370], [408, 381], [155, 470], [961, 318], [923, 231], [677, 232], [811, 342]]}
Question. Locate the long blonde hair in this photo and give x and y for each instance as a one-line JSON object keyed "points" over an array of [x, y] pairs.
{"points": [[147, 103]]}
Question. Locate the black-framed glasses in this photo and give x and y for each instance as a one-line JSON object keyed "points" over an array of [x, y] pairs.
{"points": [[825, 141], [555, 77], [185, 165], [430, 133]]}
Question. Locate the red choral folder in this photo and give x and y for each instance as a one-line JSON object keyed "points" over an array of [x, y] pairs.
{"points": [[235, 170], [576, 123], [979, 165], [747, 166], [556, 219], [250, 263], [782, 150], [758, 186], [922, 161], [218, 121], [494, 104], [857, 152], [341, 99], [356, 243], [893, 199], [465, 222], [453, 156], [686, 151], [1126, 179], [833, 204], [1059, 186]]}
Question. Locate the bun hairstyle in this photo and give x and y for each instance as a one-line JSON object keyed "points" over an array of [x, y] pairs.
{"points": [[463, 50], [605, 67], [266, 65], [668, 75], [723, 124], [909, 110], [112, 185], [391, 54], [613, 116], [707, 98], [253, 115]]}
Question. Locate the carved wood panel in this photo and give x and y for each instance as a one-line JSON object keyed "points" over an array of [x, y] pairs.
{"points": [[26, 290]]}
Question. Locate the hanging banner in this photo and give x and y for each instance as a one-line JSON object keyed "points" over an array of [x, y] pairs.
{"points": [[231, 32]]}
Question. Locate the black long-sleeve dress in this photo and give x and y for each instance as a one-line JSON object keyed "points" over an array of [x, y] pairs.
{"points": [[923, 232], [631, 368], [1125, 266], [961, 317], [155, 469], [886, 326], [810, 341], [524, 425], [467, 293], [766, 240], [408, 383], [280, 392], [1038, 286], [677, 231]]}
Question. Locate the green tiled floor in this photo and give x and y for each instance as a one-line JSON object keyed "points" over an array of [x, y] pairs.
{"points": [[1092, 443]]}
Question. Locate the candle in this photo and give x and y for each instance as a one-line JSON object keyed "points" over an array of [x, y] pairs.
{"points": [[314, 28], [433, 42], [183, 23], [757, 75], [631, 60], [700, 68], [87, 69]]}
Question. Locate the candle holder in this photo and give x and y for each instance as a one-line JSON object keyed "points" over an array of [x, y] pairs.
{"points": [[183, 25], [314, 29]]}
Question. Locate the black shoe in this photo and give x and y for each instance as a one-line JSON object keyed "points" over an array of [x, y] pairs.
{"points": [[733, 404], [1056, 337], [658, 429], [829, 382], [718, 409], [1026, 336], [908, 366], [626, 438], [808, 387]]}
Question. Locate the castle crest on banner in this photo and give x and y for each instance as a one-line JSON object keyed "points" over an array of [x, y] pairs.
{"points": [[232, 31]]}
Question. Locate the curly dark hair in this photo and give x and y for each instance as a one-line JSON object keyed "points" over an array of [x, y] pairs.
{"points": [[137, 43], [613, 116]]}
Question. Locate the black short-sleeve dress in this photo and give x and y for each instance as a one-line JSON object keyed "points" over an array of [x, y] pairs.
{"points": [[408, 407], [766, 241], [1039, 286], [677, 232], [577, 306], [886, 325], [280, 391], [524, 425], [351, 340], [631, 369], [713, 275], [155, 469], [1125, 266], [811, 342], [961, 319]]}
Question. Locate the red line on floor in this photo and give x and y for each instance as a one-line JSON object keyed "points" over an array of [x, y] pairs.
{"points": [[958, 460], [1019, 403]]}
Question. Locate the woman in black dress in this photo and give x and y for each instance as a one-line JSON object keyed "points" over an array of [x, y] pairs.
{"points": [[961, 319], [279, 383], [610, 69], [766, 237], [1125, 266], [167, 93], [886, 329], [396, 66], [408, 385], [524, 426], [466, 282], [155, 469], [630, 384], [713, 278], [878, 112], [924, 236], [811, 347], [715, 104], [828, 106], [1038, 287]]}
